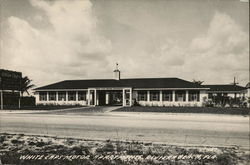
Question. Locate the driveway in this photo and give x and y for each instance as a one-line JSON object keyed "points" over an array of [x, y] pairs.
{"points": [[76, 110]]}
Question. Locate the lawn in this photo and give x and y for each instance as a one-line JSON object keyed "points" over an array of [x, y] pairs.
{"points": [[211, 110]]}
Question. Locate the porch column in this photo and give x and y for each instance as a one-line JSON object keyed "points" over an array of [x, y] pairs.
{"points": [[107, 98], [160, 95], [47, 96], [19, 100], [2, 99], [88, 97], [173, 96], [148, 96], [130, 97], [56, 97], [123, 98], [67, 95], [136, 96], [95, 97], [76, 95], [187, 96]]}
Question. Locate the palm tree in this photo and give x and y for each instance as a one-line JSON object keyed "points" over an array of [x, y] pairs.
{"points": [[26, 85], [198, 82]]}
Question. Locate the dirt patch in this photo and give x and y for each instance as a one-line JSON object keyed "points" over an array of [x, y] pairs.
{"points": [[27, 149]]}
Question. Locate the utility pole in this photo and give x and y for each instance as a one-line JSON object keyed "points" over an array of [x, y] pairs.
{"points": [[235, 83], [1, 99]]}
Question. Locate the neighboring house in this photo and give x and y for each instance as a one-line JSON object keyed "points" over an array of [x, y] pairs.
{"points": [[229, 90], [227, 95], [248, 89], [126, 92], [248, 94]]}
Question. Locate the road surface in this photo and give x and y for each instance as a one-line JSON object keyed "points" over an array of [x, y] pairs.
{"points": [[170, 128]]}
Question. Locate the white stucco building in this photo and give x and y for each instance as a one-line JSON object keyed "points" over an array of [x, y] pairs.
{"points": [[126, 92]]}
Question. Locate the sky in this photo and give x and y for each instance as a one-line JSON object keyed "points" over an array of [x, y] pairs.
{"points": [[55, 40]]}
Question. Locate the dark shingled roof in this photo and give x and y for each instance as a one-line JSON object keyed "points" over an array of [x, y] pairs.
{"points": [[134, 83], [225, 88]]}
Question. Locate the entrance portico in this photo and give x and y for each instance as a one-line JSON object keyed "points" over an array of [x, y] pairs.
{"points": [[109, 96]]}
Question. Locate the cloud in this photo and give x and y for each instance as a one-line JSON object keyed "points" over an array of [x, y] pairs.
{"points": [[71, 48], [244, 0], [222, 52], [214, 57], [71, 44]]}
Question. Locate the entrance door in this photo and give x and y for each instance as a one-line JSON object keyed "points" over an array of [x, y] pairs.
{"points": [[102, 97], [110, 97]]}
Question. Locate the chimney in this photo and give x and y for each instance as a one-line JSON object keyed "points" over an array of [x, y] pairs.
{"points": [[117, 73]]}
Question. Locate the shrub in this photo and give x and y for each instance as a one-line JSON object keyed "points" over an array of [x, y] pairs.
{"points": [[15, 141], [107, 148], [2, 138]]}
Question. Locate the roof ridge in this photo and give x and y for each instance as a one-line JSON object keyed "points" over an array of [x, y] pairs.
{"points": [[127, 79], [223, 84], [151, 78]]}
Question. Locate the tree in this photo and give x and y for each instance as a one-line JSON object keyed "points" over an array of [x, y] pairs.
{"points": [[198, 82], [26, 85]]}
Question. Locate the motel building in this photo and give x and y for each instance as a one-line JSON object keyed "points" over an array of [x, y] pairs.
{"points": [[127, 92]]}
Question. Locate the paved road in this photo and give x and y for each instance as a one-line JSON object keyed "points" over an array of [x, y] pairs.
{"points": [[184, 129]]}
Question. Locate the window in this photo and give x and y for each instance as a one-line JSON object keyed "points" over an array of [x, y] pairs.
{"points": [[72, 96], [194, 96], [142, 95], [52, 96], [82, 95], [62, 96], [43, 96], [154, 95], [180, 95], [166, 95]]}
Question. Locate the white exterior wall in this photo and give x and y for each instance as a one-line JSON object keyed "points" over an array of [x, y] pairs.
{"points": [[175, 103], [231, 95], [203, 94], [171, 103], [56, 102], [60, 102]]}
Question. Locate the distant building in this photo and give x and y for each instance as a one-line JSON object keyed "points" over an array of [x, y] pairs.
{"points": [[10, 83], [127, 92], [230, 90], [248, 94]]}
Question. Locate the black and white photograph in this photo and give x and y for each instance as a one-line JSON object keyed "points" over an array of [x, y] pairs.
{"points": [[124, 82]]}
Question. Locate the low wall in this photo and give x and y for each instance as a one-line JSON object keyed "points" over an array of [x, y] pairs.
{"points": [[168, 103], [62, 102]]}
